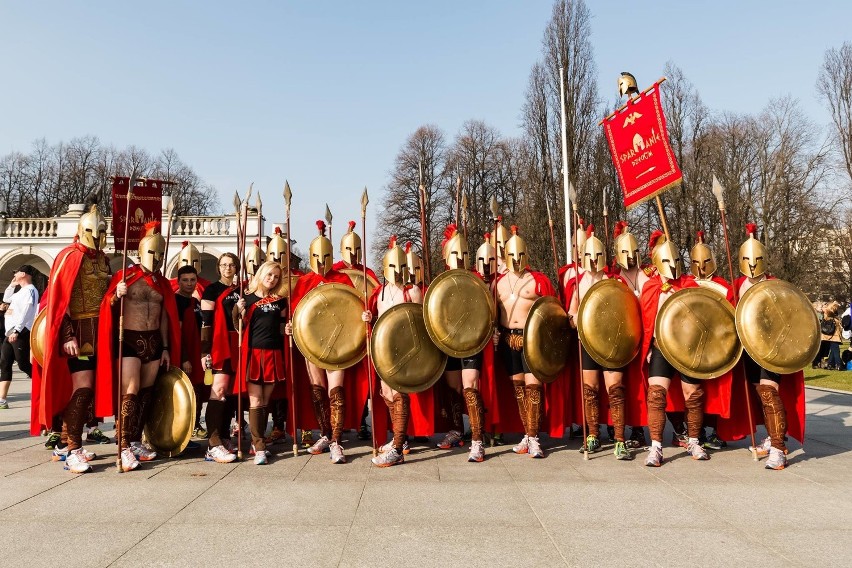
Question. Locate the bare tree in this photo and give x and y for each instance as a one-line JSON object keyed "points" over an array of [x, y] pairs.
{"points": [[834, 85]]}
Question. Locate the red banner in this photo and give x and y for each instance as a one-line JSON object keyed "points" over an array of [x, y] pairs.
{"points": [[641, 153], [146, 204]]}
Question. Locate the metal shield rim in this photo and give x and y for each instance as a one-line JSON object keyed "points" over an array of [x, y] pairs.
{"points": [[543, 377], [663, 347], [743, 301], [37, 337], [417, 309], [297, 336], [429, 326], [581, 334], [182, 379]]}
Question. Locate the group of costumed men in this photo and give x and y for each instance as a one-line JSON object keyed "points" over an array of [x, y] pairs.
{"points": [[195, 324]]}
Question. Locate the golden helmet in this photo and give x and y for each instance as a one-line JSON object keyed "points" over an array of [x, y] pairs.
{"points": [[702, 264], [752, 254], [91, 229], [254, 257], [667, 260], [277, 248], [486, 257], [454, 249], [415, 266], [350, 246], [594, 252], [189, 256], [152, 247], [516, 252], [320, 252], [580, 236], [627, 84], [499, 238], [626, 246], [394, 264]]}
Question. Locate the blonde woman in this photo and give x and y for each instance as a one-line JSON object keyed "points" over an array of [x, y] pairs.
{"points": [[264, 315]]}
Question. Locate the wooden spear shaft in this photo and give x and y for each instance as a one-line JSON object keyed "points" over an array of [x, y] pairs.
{"points": [[288, 196], [118, 420], [364, 201]]}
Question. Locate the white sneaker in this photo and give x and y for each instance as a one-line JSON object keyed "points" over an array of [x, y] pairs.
{"points": [[89, 456], [336, 453], [260, 458], [141, 452], [477, 451], [535, 450], [76, 462], [389, 446], [128, 460], [523, 447], [320, 446], [762, 449], [219, 455]]}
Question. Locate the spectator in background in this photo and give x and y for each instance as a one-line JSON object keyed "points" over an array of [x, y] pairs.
{"points": [[831, 323], [823, 344], [22, 298]]}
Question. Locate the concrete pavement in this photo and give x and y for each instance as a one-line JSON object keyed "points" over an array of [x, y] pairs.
{"points": [[436, 509]]}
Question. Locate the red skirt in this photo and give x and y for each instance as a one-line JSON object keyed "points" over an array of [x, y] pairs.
{"points": [[265, 365]]}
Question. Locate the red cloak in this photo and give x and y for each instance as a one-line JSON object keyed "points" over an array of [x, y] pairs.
{"points": [[190, 341], [108, 357]]}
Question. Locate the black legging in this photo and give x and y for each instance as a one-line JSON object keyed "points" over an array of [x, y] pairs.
{"points": [[18, 351]]}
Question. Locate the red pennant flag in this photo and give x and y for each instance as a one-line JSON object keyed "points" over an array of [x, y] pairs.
{"points": [[640, 149], [145, 205]]}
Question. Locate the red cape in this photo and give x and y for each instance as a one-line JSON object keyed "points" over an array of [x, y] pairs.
{"points": [[52, 389], [108, 358], [35, 385], [190, 342]]}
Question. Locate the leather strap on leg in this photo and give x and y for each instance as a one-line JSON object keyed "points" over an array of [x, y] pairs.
{"points": [[535, 402], [399, 418], [75, 414], [774, 415], [521, 397], [144, 396], [257, 425], [338, 409], [129, 417], [213, 419], [657, 395], [322, 412], [616, 410], [475, 412], [590, 401], [456, 410], [694, 406]]}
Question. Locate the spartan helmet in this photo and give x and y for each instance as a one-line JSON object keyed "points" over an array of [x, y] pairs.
{"points": [[415, 266], [626, 246], [277, 248], [752, 254], [499, 238], [667, 260], [580, 238], [152, 247], [516, 252], [594, 252], [702, 264], [91, 230], [455, 251], [254, 257], [350, 246], [320, 251], [395, 264], [189, 256], [486, 257], [627, 84]]}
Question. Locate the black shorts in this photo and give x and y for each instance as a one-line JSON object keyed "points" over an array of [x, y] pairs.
{"points": [[513, 361], [146, 345], [590, 364], [472, 362], [660, 367], [754, 372], [77, 365]]}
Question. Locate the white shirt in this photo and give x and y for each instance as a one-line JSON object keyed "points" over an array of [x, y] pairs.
{"points": [[23, 306]]}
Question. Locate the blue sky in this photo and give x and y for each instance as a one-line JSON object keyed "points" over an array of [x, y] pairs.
{"points": [[325, 93]]}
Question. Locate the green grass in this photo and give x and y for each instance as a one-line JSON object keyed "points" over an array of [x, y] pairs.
{"points": [[840, 380]]}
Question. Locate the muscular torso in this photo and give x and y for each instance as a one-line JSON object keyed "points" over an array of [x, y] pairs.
{"points": [[516, 295], [392, 295], [142, 307], [635, 278], [587, 280]]}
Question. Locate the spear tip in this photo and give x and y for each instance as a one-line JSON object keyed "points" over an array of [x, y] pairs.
{"points": [[288, 195], [365, 199], [328, 216], [718, 191], [494, 207], [237, 201]]}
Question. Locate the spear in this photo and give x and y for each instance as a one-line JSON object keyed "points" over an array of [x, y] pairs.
{"points": [[569, 190], [458, 196], [169, 216], [242, 216], [606, 221], [464, 213], [552, 240], [719, 193], [424, 232], [288, 197], [118, 420], [572, 193], [364, 201], [495, 217], [259, 205], [328, 219]]}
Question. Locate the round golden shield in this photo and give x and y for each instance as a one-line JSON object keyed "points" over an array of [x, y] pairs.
{"points": [[778, 326], [546, 339], [609, 323], [357, 278], [37, 337], [712, 285], [696, 332], [459, 312], [172, 417], [328, 328], [404, 356]]}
